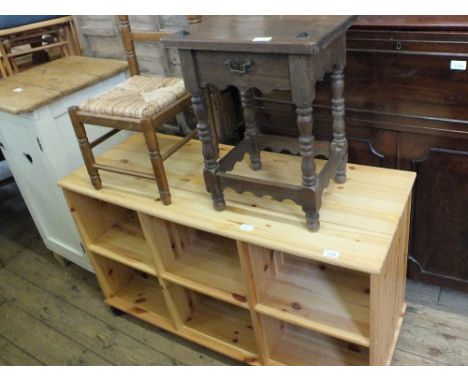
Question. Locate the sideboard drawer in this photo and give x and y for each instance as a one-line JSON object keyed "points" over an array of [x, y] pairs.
{"points": [[437, 43], [243, 70]]}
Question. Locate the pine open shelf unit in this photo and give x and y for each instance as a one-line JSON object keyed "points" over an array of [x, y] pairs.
{"points": [[268, 295]]}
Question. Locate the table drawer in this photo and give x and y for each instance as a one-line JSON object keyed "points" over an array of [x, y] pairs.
{"points": [[243, 70]]}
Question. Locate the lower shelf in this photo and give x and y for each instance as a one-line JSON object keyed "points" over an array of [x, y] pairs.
{"points": [[142, 299], [134, 292], [293, 345], [220, 326]]}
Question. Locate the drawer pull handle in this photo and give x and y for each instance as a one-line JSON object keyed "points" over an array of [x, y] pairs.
{"points": [[238, 67]]}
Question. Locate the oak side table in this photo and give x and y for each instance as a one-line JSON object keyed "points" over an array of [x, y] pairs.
{"points": [[268, 53]]}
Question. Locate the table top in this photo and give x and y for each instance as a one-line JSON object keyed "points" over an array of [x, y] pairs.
{"points": [[262, 34], [358, 219], [44, 84]]}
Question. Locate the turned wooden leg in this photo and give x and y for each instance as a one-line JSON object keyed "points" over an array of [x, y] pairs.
{"points": [[209, 149], [338, 112], [309, 176], [252, 132], [85, 147], [156, 161]]}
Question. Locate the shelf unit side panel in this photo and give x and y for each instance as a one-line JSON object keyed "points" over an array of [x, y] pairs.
{"points": [[387, 296], [84, 211]]}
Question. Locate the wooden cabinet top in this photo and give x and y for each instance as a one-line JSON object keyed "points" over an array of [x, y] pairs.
{"points": [[413, 22], [44, 84], [262, 34], [358, 219]]}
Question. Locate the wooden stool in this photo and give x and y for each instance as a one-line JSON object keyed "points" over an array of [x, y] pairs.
{"points": [[140, 104]]}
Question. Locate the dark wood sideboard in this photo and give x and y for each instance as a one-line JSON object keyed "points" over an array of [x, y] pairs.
{"points": [[405, 109]]}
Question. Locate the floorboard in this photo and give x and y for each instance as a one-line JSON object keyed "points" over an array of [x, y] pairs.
{"points": [[10, 354], [112, 345], [44, 343], [80, 289]]}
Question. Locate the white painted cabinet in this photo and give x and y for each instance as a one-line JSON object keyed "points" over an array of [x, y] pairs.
{"points": [[40, 148]]}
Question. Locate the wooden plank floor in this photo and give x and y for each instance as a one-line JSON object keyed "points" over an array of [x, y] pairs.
{"points": [[53, 315]]}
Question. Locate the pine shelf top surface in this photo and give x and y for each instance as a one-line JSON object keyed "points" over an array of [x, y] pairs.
{"points": [[358, 219], [262, 34], [36, 87]]}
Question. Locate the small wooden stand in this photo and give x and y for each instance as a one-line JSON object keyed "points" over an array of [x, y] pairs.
{"points": [[251, 283], [268, 53]]}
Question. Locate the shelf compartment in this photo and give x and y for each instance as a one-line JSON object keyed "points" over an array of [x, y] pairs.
{"points": [[320, 297], [293, 345], [133, 292], [112, 231], [198, 260], [220, 326]]}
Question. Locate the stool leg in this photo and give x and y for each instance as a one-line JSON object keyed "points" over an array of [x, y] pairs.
{"points": [[252, 132], [85, 147], [156, 161], [309, 176], [338, 112], [210, 151]]}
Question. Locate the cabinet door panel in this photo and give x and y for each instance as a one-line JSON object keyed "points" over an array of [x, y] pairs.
{"points": [[439, 234]]}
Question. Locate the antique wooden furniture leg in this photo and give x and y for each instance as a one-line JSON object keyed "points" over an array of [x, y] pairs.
{"points": [[338, 112], [309, 176], [302, 92], [252, 132], [210, 150], [85, 148], [156, 161]]}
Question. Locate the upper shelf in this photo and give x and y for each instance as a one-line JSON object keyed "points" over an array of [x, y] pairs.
{"points": [[358, 219]]}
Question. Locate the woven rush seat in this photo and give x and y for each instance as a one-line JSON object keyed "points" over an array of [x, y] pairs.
{"points": [[140, 104], [137, 97]]}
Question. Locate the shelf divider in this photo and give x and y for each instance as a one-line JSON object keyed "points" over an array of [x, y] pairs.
{"points": [[259, 332]]}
